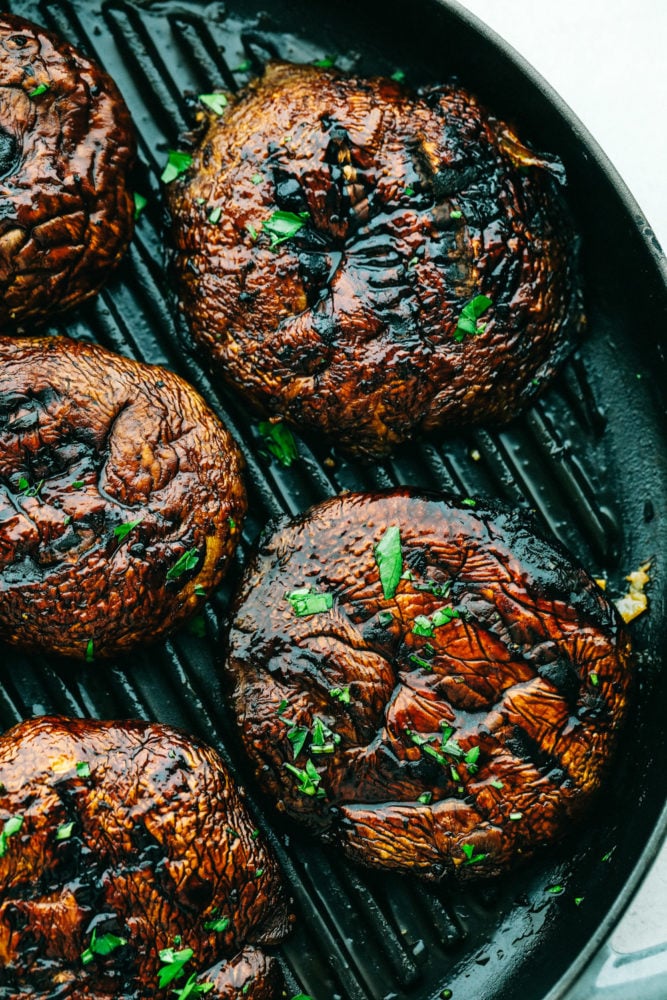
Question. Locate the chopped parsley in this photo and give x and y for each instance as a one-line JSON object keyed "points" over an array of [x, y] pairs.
{"points": [[282, 226], [215, 215], [216, 102], [242, 67], [27, 490], [409, 191], [341, 694], [497, 783], [516, 816], [121, 531], [218, 925], [252, 232], [192, 988], [469, 502], [10, 829], [425, 626], [389, 560], [83, 769], [280, 441], [425, 798], [174, 961], [472, 858], [398, 76], [555, 890], [323, 739], [385, 618], [139, 204], [89, 655], [297, 736], [456, 214], [304, 602], [578, 900], [256, 179], [177, 164], [187, 562], [200, 591], [39, 90], [78, 484], [64, 831], [595, 680], [467, 322], [102, 945], [326, 63], [419, 662], [309, 779], [437, 589]]}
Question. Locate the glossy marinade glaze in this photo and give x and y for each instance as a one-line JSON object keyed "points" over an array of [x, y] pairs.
{"points": [[333, 243], [121, 499], [127, 840], [67, 143], [455, 719]]}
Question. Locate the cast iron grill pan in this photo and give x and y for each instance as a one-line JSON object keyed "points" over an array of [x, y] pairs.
{"points": [[590, 459]]}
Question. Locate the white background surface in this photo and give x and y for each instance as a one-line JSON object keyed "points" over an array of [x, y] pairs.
{"points": [[608, 60]]}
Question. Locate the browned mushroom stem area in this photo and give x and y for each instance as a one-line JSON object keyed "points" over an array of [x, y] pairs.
{"points": [[66, 145], [122, 841], [121, 499], [430, 684], [404, 208]]}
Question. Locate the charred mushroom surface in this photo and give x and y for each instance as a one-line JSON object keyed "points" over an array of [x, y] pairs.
{"points": [[428, 683], [127, 840], [121, 499], [369, 261], [66, 146]]}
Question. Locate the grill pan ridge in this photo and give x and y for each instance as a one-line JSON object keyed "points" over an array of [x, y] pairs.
{"points": [[589, 459]]}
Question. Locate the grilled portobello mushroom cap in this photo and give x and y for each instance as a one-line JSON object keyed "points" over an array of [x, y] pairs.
{"points": [[127, 839], [370, 261], [427, 683], [66, 146], [121, 499]]}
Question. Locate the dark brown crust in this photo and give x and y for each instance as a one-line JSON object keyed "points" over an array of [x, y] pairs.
{"points": [[89, 442], [534, 672], [160, 844], [349, 326], [67, 215]]}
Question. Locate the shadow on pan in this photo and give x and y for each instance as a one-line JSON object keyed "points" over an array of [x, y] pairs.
{"points": [[591, 459]]}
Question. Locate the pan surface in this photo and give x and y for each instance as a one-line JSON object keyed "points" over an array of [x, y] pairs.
{"points": [[590, 459]]}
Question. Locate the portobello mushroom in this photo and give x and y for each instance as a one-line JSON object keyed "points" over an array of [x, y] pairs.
{"points": [[121, 499], [67, 144], [428, 684], [369, 261], [130, 867]]}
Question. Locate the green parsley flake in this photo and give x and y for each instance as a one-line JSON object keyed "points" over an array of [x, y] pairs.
{"points": [[425, 626], [282, 226], [256, 179], [177, 164], [27, 490], [389, 560], [77, 484], [83, 769], [578, 900], [341, 694], [242, 67], [326, 63], [187, 562], [469, 502], [555, 890], [409, 191], [102, 945], [306, 603], [297, 736], [456, 214], [139, 204], [89, 655], [219, 925], [425, 798], [309, 779], [39, 90], [121, 531], [467, 322], [215, 215], [64, 831], [280, 441], [216, 102], [472, 858], [200, 591], [516, 816], [192, 988], [497, 783], [10, 829], [174, 961], [419, 662], [595, 680], [398, 76]]}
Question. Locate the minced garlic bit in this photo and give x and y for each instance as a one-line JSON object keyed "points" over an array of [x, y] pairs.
{"points": [[635, 601]]}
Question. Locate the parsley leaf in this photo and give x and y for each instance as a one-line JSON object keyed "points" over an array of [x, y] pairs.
{"points": [[219, 925], [187, 562], [39, 90], [306, 603], [471, 857], [174, 963], [121, 531], [341, 694], [102, 945], [83, 769], [139, 204], [64, 831], [467, 323], [326, 63], [192, 988], [282, 226], [280, 441], [297, 736], [216, 102], [309, 779], [12, 826], [177, 163], [389, 560]]}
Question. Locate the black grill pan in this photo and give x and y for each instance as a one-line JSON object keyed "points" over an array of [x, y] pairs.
{"points": [[590, 459]]}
